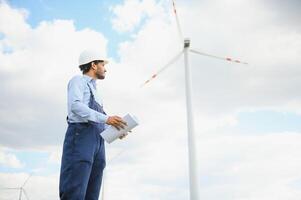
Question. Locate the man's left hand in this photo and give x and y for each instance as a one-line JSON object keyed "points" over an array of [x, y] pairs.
{"points": [[124, 135]]}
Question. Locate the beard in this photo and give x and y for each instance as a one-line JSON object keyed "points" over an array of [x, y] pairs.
{"points": [[100, 75]]}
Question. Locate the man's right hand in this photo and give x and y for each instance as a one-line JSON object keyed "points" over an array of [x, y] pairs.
{"points": [[117, 122]]}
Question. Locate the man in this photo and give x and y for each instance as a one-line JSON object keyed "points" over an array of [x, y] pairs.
{"points": [[83, 158]]}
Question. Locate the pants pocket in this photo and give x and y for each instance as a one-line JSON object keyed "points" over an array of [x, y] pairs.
{"points": [[84, 142]]}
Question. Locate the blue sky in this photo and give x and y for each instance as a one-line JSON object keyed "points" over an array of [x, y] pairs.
{"points": [[268, 122], [93, 14], [272, 118], [32, 160]]}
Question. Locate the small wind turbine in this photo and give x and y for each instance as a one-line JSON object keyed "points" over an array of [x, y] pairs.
{"points": [[193, 166], [21, 189]]}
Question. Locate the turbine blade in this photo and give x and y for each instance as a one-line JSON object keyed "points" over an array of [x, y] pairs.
{"points": [[218, 57], [177, 20], [8, 188], [26, 180], [25, 193], [163, 68]]}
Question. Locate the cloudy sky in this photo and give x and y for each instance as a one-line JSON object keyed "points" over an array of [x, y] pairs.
{"points": [[247, 117]]}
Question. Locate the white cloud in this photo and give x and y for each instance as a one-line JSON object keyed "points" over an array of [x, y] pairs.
{"points": [[9, 159], [252, 165], [130, 14], [15, 38]]}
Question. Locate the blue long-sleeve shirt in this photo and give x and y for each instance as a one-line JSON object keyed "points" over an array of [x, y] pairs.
{"points": [[78, 100]]}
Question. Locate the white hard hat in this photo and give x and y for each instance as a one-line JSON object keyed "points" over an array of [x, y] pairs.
{"points": [[90, 55]]}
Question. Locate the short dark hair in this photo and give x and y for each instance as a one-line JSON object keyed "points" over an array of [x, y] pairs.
{"points": [[86, 67]]}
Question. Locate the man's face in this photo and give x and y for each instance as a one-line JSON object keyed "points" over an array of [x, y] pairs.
{"points": [[100, 71]]}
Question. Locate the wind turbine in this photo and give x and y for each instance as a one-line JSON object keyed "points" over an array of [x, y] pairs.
{"points": [[21, 189], [192, 154]]}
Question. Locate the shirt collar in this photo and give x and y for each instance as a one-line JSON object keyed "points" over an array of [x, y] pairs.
{"points": [[89, 79]]}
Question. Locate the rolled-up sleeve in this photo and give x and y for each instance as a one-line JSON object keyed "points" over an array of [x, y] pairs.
{"points": [[78, 107]]}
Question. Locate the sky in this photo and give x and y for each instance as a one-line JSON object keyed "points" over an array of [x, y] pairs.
{"points": [[247, 117]]}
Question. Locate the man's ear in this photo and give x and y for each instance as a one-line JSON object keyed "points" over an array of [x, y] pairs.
{"points": [[93, 66]]}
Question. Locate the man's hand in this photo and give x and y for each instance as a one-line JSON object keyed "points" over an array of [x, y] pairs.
{"points": [[116, 121], [124, 135]]}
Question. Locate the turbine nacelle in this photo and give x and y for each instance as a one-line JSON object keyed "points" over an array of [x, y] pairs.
{"points": [[186, 42]]}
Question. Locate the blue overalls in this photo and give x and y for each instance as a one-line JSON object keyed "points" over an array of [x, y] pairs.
{"points": [[83, 159]]}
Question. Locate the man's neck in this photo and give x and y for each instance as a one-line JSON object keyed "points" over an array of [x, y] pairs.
{"points": [[91, 75]]}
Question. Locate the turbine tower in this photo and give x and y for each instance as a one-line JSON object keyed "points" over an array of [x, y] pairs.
{"points": [[194, 179]]}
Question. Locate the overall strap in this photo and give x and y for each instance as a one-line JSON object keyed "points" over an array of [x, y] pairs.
{"points": [[93, 99], [92, 95]]}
